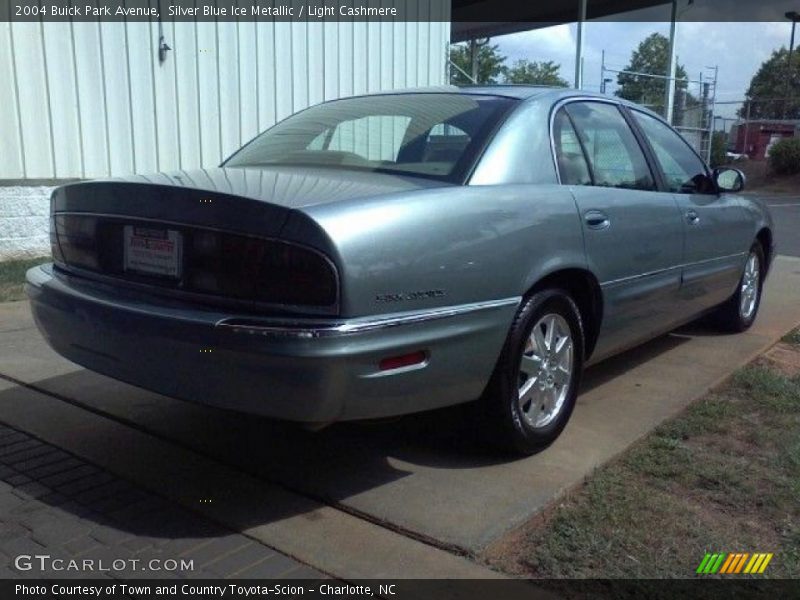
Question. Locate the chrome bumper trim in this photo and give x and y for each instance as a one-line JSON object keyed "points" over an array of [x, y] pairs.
{"points": [[318, 329]]}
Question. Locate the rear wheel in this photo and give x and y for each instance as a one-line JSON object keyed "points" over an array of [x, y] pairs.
{"points": [[739, 312], [532, 392]]}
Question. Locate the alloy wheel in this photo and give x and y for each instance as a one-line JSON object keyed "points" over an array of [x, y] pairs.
{"points": [[748, 294], [546, 370]]}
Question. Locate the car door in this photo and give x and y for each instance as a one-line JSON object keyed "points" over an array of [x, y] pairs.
{"points": [[632, 232], [716, 232]]}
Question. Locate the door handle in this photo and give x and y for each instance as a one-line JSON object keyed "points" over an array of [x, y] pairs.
{"points": [[692, 217], [596, 219]]}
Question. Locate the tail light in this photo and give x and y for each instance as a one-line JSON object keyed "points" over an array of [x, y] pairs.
{"points": [[404, 360], [271, 271], [214, 263], [55, 249], [77, 239]]}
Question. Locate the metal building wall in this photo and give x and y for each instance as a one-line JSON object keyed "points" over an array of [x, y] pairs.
{"points": [[91, 99]]}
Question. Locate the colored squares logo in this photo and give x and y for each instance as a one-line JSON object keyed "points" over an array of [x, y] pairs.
{"points": [[734, 563]]}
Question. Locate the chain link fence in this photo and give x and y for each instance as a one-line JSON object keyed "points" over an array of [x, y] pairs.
{"points": [[692, 106], [693, 114]]}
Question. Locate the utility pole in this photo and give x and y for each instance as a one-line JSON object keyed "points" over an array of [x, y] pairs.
{"points": [[746, 128], [794, 17], [712, 111], [473, 60], [603, 79], [579, 45], [669, 96], [474, 48]]}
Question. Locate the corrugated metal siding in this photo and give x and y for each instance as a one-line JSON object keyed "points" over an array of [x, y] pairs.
{"points": [[91, 99]]}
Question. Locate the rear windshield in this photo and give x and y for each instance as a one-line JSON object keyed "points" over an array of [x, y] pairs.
{"points": [[429, 135]]}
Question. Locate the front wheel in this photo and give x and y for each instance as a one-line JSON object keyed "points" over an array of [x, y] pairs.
{"points": [[533, 389], [739, 312]]}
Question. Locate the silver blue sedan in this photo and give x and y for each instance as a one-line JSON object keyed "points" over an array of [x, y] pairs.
{"points": [[393, 253]]}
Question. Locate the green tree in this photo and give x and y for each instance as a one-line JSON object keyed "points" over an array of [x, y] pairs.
{"points": [[774, 91], [784, 156], [651, 57], [719, 149], [491, 64], [536, 73]]}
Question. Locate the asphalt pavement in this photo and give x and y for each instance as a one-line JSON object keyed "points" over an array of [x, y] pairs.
{"points": [[786, 212]]}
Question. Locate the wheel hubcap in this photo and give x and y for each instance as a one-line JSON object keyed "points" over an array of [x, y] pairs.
{"points": [[545, 370], [748, 294]]}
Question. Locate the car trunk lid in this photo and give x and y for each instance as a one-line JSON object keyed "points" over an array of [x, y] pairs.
{"points": [[254, 201]]}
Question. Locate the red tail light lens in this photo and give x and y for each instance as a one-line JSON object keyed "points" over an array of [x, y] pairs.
{"points": [[215, 263], [405, 360], [266, 270], [77, 238], [55, 249]]}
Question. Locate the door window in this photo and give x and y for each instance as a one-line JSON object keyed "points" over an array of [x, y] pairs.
{"points": [[615, 157], [572, 165], [683, 171]]}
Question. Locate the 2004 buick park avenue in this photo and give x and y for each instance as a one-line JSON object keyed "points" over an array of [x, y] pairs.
{"points": [[393, 253]]}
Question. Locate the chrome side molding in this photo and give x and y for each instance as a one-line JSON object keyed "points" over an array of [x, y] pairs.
{"points": [[308, 329]]}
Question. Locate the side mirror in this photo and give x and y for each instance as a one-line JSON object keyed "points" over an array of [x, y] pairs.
{"points": [[729, 179]]}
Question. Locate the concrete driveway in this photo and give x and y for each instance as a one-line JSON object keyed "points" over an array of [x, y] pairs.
{"points": [[408, 498]]}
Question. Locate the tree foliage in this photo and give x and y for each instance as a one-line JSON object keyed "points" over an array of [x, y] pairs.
{"points": [[784, 156], [774, 91], [719, 149], [491, 64], [651, 57], [536, 73], [492, 68]]}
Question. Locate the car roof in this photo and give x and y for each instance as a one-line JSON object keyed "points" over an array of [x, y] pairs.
{"points": [[520, 92], [515, 91], [544, 93]]}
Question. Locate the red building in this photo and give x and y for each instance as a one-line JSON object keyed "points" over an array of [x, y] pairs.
{"points": [[755, 137]]}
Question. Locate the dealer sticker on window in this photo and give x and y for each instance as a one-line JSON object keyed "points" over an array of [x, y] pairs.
{"points": [[152, 251]]}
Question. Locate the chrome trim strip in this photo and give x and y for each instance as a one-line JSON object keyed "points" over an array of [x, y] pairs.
{"points": [[664, 270], [306, 329]]}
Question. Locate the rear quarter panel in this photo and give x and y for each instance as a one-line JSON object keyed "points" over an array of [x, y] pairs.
{"points": [[447, 246]]}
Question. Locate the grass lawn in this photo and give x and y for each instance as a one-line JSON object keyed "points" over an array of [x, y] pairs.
{"points": [[12, 276], [722, 477]]}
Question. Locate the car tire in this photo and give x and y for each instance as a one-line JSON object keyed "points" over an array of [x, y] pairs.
{"points": [[533, 389], [739, 311]]}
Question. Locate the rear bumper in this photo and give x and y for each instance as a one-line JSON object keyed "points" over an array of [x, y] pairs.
{"points": [[309, 371]]}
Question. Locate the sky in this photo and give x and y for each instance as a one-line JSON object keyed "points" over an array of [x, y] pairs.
{"points": [[738, 49]]}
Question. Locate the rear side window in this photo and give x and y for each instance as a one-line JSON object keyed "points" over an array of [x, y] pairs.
{"points": [[614, 155], [683, 171], [571, 161]]}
